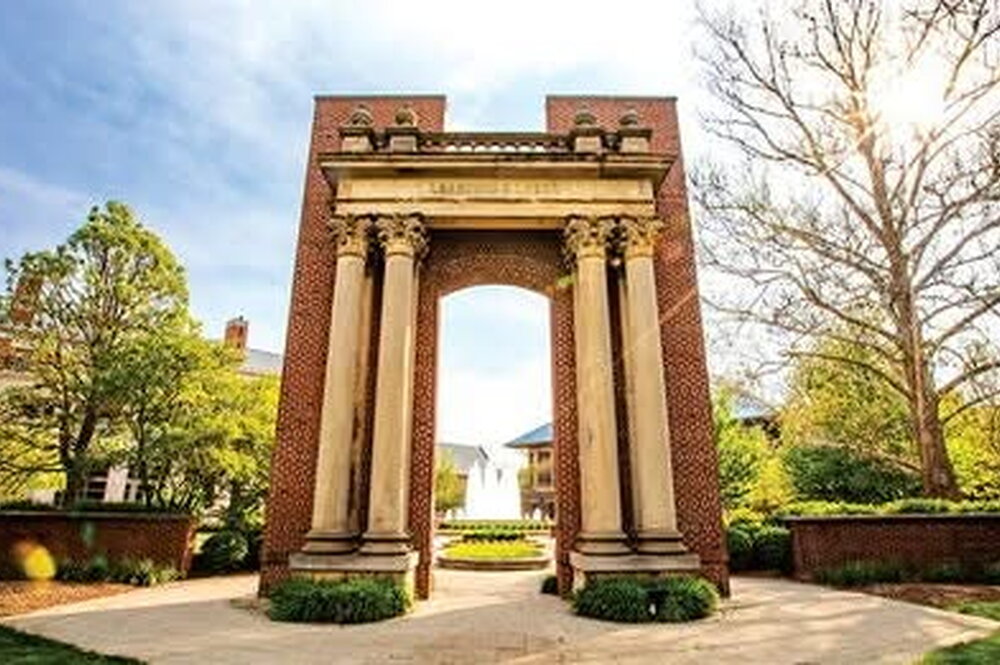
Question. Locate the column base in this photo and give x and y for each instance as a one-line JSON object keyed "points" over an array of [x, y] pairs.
{"points": [[399, 568], [608, 543], [589, 566], [385, 544], [660, 542], [330, 542]]}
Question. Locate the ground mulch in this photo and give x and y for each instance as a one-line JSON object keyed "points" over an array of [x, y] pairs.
{"points": [[18, 597], [935, 595]]}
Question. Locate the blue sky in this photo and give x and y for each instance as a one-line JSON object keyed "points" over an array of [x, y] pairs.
{"points": [[197, 114]]}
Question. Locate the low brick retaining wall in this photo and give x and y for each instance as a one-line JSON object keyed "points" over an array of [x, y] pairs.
{"points": [[166, 539], [914, 540]]}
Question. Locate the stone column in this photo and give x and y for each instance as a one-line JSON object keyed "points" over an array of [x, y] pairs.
{"points": [[601, 528], [403, 239], [656, 521], [331, 529]]}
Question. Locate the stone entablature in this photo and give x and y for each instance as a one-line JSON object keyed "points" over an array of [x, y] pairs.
{"points": [[495, 180]]}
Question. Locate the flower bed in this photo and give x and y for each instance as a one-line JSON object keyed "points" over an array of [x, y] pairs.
{"points": [[494, 555]]}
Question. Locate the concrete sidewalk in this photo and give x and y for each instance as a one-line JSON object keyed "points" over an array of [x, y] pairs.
{"points": [[500, 617]]}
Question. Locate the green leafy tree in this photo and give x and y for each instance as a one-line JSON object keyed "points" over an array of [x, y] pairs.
{"points": [[112, 282], [840, 405], [212, 453], [974, 444], [448, 489], [743, 451]]}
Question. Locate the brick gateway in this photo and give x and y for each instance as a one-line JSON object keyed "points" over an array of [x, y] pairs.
{"points": [[397, 214]]}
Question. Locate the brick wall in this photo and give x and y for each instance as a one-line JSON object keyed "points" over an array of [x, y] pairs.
{"points": [[917, 540], [695, 460], [166, 539], [289, 506]]}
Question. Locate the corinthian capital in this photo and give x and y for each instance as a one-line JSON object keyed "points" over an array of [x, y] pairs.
{"points": [[637, 235], [587, 236], [351, 233], [402, 234]]}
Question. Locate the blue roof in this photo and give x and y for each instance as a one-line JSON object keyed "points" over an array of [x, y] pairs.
{"points": [[540, 436]]}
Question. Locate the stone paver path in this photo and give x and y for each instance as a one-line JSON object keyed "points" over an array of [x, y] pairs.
{"points": [[500, 617]]}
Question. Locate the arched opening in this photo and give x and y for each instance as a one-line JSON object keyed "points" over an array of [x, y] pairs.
{"points": [[494, 448]]}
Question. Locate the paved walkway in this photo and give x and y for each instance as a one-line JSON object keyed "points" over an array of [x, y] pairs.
{"points": [[500, 617]]}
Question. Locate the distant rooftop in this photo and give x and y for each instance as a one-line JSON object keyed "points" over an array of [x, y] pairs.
{"points": [[464, 455], [260, 362], [540, 436]]}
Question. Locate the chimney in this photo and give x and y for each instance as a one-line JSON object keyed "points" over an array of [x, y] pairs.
{"points": [[236, 333], [25, 300]]}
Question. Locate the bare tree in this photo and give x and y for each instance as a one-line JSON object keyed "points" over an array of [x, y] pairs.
{"points": [[861, 202]]}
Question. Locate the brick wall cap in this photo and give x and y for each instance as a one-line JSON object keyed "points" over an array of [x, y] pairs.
{"points": [[641, 98], [98, 515], [902, 517], [364, 97]]}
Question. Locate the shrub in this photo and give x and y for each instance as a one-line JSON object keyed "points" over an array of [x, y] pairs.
{"points": [[142, 572], [550, 585], [224, 551], [838, 474], [137, 572], [745, 517], [860, 573], [621, 599], [492, 535], [358, 600], [682, 598], [772, 548], [496, 525], [920, 506], [740, 544], [517, 549], [636, 600]]}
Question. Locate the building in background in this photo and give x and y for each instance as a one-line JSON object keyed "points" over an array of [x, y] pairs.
{"points": [[114, 484], [538, 487]]}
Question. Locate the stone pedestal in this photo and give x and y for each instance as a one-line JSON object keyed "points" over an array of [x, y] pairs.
{"points": [[591, 566], [399, 568]]}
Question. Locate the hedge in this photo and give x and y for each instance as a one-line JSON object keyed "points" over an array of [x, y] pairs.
{"points": [[358, 600], [641, 600]]}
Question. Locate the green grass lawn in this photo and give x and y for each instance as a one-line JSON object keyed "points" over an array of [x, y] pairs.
{"points": [[501, 549], [17, 648], [979, 652]]}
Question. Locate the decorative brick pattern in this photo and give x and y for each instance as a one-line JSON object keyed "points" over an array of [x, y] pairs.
{"points": [[461, 259], [289, 507], [166, 539], [918, 540], [695, 460]]}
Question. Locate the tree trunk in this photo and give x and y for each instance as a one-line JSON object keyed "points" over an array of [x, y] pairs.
{"points": [[937, 474]]}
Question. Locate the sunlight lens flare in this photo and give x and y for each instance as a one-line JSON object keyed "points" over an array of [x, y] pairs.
{"points": [[908, 98]]}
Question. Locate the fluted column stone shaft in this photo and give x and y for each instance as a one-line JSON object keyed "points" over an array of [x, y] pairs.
{"points": [[331, 529], [403, 240], [656, 515], [601, 532]]}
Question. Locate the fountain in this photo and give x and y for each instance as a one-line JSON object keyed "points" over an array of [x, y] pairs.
{"points": [[492, 491]]}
